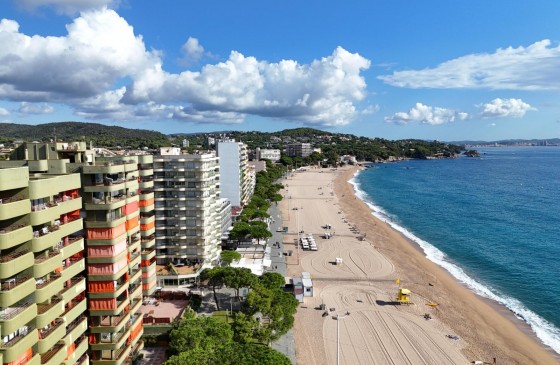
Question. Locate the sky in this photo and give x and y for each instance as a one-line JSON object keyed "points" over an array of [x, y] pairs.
{"points": [[435, 70]]}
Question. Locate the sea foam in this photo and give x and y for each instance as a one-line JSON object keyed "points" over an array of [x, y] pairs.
{"points": [[544, 330]]}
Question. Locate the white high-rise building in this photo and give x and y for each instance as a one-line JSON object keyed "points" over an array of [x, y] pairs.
{"points": [[188, 222], [236, 181]]}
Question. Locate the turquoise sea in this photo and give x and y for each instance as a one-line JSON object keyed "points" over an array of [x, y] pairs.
{"points": [[493, 222]]}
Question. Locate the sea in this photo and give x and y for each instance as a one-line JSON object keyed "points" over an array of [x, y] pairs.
{"points": [[493, 222]]}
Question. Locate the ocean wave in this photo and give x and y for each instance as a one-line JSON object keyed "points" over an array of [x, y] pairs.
{"points": [[544, 330]]}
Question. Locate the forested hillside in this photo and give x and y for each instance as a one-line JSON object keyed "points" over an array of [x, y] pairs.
{"points": [[101, 135]]}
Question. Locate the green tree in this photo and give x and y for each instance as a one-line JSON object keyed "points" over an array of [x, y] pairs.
{"points": [[259, 232], [239, 231], [237, 278], [243, 327], [216, 278], [205, 333], [229, 256], [272, 280]]}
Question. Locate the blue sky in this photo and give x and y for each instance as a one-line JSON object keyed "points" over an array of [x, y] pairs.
{"points": [[446, 70]]}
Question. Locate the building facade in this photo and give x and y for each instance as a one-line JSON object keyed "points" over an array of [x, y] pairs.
{"points": [[299, 149], [109, 275], [236, 181], [114, 271], [188, 227], [42, 296], [269, 154]]}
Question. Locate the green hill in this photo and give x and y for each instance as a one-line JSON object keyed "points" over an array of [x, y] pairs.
{"points": [[101, 135]]}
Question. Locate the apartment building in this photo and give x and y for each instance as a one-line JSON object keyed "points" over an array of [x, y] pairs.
{"points": [[114, 271], [117, 264], [298, 149], [269, 154], [236, 181], [42, 296], [188, 227]]}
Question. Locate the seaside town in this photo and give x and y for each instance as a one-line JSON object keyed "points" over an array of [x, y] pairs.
{"points": [[279, 183], [218, 255]]}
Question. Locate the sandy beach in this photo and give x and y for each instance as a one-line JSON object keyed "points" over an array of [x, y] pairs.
{"points": [[372, 327]]}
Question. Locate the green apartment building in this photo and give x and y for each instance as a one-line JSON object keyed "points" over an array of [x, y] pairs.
{"points": [[77, 239], [42, 296]]}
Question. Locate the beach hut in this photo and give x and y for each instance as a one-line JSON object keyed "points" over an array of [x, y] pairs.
{"points": [[307, 284], [298, 289]]}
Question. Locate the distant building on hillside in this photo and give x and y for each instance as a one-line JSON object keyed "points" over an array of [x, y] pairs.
{"points": [[269, 154], [298, 149]]}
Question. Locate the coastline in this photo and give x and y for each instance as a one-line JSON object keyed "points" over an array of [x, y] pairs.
{"points": [[489, 329]]}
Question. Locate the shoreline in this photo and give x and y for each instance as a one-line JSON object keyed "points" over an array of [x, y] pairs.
{"points": [[505, 336]]}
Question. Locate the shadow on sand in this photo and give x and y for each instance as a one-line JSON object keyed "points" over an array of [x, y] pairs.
{"points": [[382, 302]]}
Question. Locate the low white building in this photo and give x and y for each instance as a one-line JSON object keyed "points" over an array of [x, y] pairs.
{"points": [[269, 154]]}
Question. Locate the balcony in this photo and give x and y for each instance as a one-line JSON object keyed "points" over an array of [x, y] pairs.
{"points": [[47, 288], [55, 355], [121, 287], [15, 289], [75, 309], [79, 356], [110, 340], [135, 291], [148, 253], [148, 241], [77, 286], [134, 259], [14, 235], [74, 245], [14, 317], [48, 312], [75, 329], [51, 211], [111, 324], [132, 184], [50, 336], [50, 236], [118, 357], [46, 263], [108, 203], [14, 178], [106, 224], [108, 241], [73, 269], [110, 312], [24, 339], [15, 262], [135, 275], [107, 259], [108, 277], [14, 207]]}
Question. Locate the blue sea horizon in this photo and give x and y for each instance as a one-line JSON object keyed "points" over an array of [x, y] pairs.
{"points": [[493, 222]]}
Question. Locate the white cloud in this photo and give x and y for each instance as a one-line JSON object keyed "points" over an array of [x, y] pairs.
{"points": [[427, 114], [192, 51], [87, 68], [523, 68], [30, 108], [100, 48], [322, 92], [67, 6], [503, 108], [4, 111]]}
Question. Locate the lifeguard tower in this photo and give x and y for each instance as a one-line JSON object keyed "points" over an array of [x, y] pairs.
{"points": [[403, 297]]}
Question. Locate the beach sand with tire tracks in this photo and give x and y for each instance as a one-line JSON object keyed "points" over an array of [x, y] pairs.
{"points": [[377, 330]]}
